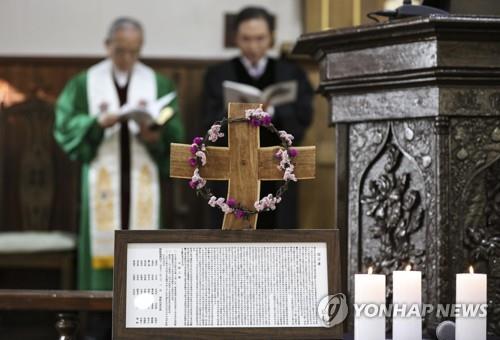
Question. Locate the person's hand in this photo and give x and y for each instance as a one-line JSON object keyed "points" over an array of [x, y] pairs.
{"points": [[148, 135], [107, 120]]}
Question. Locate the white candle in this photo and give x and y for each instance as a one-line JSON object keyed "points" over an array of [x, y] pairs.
{"points": [[470, 322], [369, 296], [407, 301]]}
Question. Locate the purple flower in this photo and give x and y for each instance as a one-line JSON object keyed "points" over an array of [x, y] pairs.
{"points": [[239, 213], [292, 152], [231, 202], [198, 140], [266, 121], [255, 122], [192, 161], [193, 148]]}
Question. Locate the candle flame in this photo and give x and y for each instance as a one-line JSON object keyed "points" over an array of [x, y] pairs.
{"points": [[408, 267], [370, 270], [471, 269]]}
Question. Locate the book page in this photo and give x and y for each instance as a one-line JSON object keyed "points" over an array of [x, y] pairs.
{"points": [[274, 95], [150, 113], [225, 284], [241, 93], [280, 93]]}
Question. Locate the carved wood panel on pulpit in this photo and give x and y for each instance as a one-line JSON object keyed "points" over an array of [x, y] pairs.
{"points": [[390, 196], [475, 174]]}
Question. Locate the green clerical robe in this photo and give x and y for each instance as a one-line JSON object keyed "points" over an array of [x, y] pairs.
{"points": [[82, 138]]}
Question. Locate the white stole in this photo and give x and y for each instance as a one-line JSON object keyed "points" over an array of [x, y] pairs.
{"points": [[104, 171]]}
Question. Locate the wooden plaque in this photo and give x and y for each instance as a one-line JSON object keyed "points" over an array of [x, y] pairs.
{"points": [[166, 264]]}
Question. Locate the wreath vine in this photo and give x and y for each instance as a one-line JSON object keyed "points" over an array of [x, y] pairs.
{"points": [[284, 156]]}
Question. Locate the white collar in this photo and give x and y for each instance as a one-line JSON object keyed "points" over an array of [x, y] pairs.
{"points": [[255, 71], [120, 77]]}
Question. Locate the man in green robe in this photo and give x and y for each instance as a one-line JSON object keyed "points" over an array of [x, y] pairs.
{"points": [[122, 161]]}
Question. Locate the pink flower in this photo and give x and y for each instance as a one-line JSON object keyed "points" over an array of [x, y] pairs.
{"points": [[289, 175], [267, 203], [288, 138], [220, 202], [197, 182], [226, 208], [203, 158], [214, 133], [249, 114], [282, 155], [212, 201]]}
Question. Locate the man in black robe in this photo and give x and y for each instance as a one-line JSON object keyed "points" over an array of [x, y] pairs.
{"points": [[254, 34]]}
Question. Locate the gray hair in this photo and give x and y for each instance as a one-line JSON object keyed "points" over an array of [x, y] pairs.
{"points": [[121, 23]]}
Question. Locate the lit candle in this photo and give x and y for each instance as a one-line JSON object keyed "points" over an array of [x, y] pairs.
{"points": [[407, 301], [369, 296], [470, 321]]}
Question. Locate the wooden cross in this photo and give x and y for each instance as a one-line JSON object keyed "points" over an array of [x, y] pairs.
{"points": [[243, 163]]}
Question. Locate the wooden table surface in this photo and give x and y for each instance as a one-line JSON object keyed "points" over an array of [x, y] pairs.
{"points": [[55, 300]]}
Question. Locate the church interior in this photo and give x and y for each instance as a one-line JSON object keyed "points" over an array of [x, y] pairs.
{"points": [[403, 109]]}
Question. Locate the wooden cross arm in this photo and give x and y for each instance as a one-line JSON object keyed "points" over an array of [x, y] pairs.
{"points": [[305, 163], [217, 167]]}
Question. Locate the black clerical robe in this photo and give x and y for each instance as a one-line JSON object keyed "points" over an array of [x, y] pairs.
{"points": [[293, 118]]}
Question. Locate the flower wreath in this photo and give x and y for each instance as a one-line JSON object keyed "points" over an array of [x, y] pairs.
{"points": [[285, 154]]}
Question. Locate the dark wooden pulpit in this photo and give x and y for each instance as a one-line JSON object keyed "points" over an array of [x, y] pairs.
{"points": [[416, 104]]}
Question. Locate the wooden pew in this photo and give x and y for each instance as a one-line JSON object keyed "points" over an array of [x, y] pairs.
{"points": [[65, 302]]}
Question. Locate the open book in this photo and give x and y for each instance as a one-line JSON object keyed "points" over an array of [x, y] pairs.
{"points": [[153, 114], [273, 95]]}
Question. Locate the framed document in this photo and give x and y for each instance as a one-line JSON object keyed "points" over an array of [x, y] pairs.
{"points": [[226, 284]]}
